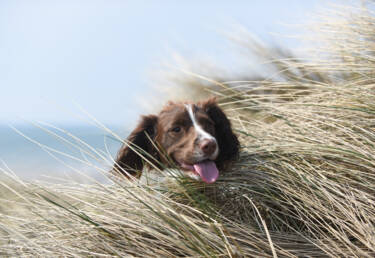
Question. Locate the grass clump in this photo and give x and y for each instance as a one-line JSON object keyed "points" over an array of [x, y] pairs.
{"points": [[304, 184]]}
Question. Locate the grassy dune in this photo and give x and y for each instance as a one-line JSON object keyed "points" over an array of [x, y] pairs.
{"points": [[304, 185]]}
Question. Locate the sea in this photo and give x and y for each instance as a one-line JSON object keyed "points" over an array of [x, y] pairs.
{"points": [[82, 153]]}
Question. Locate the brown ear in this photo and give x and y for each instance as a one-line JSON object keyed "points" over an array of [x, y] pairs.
{"points": [[128, 160], [227, 140]]}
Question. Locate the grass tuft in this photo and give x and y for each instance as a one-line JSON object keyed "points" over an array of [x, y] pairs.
{"points": [[303, 186]]}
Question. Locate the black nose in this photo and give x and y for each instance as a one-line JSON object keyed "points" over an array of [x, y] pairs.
{"points": [[208, 146]]}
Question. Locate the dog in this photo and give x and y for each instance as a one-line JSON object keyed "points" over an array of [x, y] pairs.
{"points": [[197, 138]]}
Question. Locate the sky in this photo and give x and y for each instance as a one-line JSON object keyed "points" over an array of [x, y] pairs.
{"points": [[58, 58]]}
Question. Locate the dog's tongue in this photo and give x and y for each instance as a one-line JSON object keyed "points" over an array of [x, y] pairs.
{"points": [[207, 171]]}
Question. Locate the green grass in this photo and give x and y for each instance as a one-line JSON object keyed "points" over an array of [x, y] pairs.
{"points": [[304, 184]]}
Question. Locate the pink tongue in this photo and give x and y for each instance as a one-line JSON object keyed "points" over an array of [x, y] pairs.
{"points": [[207, 170]]}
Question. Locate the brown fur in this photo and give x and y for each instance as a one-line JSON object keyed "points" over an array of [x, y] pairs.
{"points": [[179, 145]]}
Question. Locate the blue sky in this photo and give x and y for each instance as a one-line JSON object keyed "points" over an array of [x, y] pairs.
{"points": [[99, 54]]}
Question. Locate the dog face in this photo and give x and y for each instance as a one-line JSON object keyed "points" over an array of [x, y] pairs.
{"points": [[197, 137]]}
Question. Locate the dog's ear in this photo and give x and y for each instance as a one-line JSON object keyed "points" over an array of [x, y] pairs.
{"points": [[227, 140], [138, 142]]}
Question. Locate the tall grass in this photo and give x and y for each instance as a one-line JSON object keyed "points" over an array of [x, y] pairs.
{"points": [[304, 184]]}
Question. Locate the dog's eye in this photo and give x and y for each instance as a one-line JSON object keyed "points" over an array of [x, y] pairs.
{"points": [[209, 127], [176, 129]]}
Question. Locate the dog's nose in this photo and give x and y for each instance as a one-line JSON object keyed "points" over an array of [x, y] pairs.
{"points": [[208, 146]]}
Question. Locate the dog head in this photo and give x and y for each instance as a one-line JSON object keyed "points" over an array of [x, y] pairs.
{"points": [[196, 137]]}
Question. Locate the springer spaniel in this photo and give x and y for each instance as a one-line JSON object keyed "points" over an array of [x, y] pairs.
{"points": [[196, 137]]}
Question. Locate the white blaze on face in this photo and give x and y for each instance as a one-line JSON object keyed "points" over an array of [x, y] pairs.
{"points": [[202, 134]]}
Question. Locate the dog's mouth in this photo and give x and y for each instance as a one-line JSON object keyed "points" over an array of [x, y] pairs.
{"points": [[206, 169]]}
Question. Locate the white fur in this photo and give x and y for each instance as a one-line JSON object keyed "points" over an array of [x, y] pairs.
{"points": [[202, 134]]}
